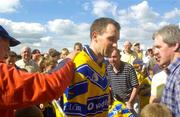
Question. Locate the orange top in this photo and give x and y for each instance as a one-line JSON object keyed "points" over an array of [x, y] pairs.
{"points": [[20, 89]]}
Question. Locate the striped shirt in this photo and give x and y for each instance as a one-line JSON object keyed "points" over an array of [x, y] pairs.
{"points": [[122, 83], [171, 94]]}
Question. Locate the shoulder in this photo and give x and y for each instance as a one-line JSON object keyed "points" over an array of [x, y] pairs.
{"points": [[127, 65], [174, 67], [82, 58], [133, 53], [32, 62], [19, 62]]}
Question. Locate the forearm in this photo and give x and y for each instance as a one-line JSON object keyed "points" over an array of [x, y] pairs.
{"points": [[133, 94]]}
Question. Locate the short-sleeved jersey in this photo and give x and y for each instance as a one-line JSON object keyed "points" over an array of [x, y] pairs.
{"points": [[88, 92]]}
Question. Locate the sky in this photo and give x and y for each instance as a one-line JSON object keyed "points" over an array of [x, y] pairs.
{"points": [[45, 24]]}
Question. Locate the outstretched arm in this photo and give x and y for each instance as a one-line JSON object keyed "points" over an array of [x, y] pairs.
{"points": [[19, 88]]}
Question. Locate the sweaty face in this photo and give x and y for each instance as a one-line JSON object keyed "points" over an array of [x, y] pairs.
{"points": [[4, 48], [107, 41], [162, 51]]}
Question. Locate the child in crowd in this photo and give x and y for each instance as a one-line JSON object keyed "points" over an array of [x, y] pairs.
{"points": [[155, 110], [144, 79]]}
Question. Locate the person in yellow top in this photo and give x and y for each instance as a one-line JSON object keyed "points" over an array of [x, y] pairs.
{"points": [[140, 72], [144, 80], [145, 92], [128, 55], [88, 92], [138, 51]]}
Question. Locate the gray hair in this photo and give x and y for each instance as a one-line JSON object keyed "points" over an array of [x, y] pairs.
{"points": [[24, 48], [170, 34]]}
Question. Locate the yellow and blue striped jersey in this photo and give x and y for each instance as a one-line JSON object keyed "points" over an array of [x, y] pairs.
{"points": [[118, 109], [88, 92]]}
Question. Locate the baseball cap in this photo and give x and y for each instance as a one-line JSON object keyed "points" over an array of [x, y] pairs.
{"points": [[138, 61], [135, 44], [4, 34]]}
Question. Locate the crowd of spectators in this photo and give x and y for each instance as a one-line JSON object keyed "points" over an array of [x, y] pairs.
{"points": [[133, 77]]}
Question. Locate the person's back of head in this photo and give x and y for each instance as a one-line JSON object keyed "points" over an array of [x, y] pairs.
{"points": [[49, 64], [54, 54], [32, 111], [155, 110]]}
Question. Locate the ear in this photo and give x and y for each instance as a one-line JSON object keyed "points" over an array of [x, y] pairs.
{"points": [[177, 47], [94, 36]]}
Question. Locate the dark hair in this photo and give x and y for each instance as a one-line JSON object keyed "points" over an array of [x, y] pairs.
{"points": [[150, 50], [35, 51], [12, 54], [99, 25], [53, 52], [78, 44], [118, 51]]}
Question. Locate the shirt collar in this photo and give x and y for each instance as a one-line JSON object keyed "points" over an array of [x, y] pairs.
{"points": [[89, 51], [173, 65]]}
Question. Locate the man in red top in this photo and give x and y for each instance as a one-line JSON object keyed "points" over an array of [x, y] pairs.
{"points": [[21, 89]]}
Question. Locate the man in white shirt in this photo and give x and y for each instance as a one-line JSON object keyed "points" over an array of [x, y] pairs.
{"points": [[157, 86], [26, 62], [128, 55]]}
